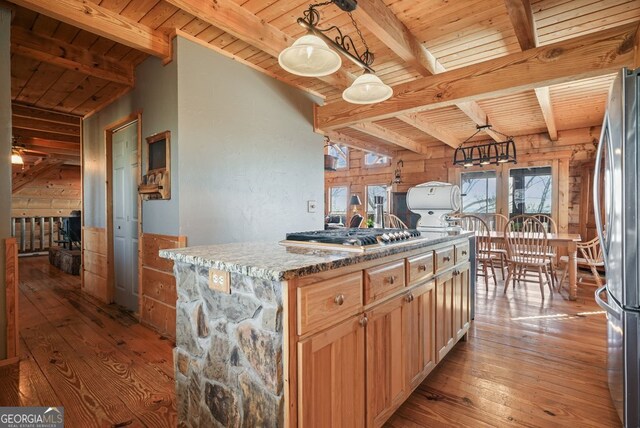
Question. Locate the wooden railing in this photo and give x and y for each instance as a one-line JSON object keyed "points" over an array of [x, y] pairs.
{"points": [[36, 234]]}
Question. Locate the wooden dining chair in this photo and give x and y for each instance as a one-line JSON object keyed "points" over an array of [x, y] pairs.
{"points": [[496, 223], [484, 252], [391, 220], [592, 256], [550, 226], [527, 246]]}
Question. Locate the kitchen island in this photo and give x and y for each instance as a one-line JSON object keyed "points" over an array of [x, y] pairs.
{"points": [[268, 335]]}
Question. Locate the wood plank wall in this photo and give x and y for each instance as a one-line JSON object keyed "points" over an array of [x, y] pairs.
{"points": [[571, 151], [95, 272], [53, 194], [11, 295], [157, 283]]}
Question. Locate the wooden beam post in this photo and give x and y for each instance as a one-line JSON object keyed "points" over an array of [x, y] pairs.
{"points": [[583, 57], [523, 23], [431, 128], [544, 99], [103, 22], [65, 55]]}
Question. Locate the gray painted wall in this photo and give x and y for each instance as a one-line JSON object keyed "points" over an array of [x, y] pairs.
{"points": [[5, 163], [156, 95], [249, 159], [244, 157]]}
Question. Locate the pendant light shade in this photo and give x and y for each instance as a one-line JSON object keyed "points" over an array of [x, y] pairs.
{"points": [[367, 89], [309, 56], [16, 159]]}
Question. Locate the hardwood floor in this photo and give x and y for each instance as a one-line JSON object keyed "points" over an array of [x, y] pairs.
{"points": [[91, 358], [527, 362]]}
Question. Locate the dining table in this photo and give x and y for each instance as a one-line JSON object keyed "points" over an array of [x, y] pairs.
{"points": [[567, 241]]}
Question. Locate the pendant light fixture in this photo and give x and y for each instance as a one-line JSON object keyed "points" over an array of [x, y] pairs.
{"points": [[16, 153], [311, 55], [483, 154]]}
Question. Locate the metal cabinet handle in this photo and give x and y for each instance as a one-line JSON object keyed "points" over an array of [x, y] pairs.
{"points": [[364, 321], [409, 298], [339, 300], [446, 259], [456, 272], [392, 279], [422, 268], [464, 252]]}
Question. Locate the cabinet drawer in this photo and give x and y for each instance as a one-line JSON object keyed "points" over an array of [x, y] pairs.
{"points": [[420, 268], [380, 281], [444, 258], [462, 252], [328, 302]]}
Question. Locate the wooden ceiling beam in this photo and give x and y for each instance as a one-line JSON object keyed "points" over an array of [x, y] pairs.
{"points": [[523, 23], [232, 18], [636, 61], [21, 110], [392, 137], [582, 57], [22, 179], [70, 57], [103, 22], [524, 26], [385, 25], [45, 126], [544, 99], [50, 143], [381, 21], [21, 133], [431, 128], [357, 143]]}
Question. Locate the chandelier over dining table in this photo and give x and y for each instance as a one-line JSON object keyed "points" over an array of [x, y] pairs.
{"points": [[312, 55], [485, 153]]}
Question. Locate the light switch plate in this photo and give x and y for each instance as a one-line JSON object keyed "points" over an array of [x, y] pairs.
{"points": [[220, 280], [311, 206]]}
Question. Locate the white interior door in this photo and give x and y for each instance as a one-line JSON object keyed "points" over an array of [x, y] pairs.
{"points": [[125, 215]]}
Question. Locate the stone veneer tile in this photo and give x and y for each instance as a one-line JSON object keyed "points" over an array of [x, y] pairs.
{"points": [[228, 358]]}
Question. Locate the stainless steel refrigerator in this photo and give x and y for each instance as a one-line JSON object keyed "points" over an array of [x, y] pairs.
{"points": [[618, 156]]}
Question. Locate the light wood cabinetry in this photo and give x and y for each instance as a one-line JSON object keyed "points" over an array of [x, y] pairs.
{"points": [[386, 343], [461, 313], [419, 328], [331, 384], [383, 280], [334, 299], [444, 314], [367, 338]]}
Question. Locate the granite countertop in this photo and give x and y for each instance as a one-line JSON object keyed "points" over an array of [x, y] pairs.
{"points": [[272, 261]]}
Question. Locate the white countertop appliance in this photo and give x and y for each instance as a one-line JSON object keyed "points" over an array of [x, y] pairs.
{"points": [[434, 202]]}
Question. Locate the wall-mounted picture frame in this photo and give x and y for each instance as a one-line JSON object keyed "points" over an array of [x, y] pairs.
{"points": [[156, 164]]}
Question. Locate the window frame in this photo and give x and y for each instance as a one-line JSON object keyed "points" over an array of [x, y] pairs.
{"points": [[330, 199], [345, 150], [375, 165], [366, 196], [497, 182]]}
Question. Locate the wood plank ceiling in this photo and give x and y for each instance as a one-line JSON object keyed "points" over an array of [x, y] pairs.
{"points": [[524, 66]]}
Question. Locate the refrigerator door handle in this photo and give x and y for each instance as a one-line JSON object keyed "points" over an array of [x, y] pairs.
{"points": [[596, 191], [604, 305]]}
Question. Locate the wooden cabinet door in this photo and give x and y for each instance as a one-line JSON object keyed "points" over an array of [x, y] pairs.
{"points": [[386, 349], [461, 312], [331, 370], [444, 314], [419, 329]]}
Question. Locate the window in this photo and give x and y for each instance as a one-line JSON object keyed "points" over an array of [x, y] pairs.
{"points": [[376, 190], [338, 200], [374, 159], [341, 152], [530, 191], [478, 192]]}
